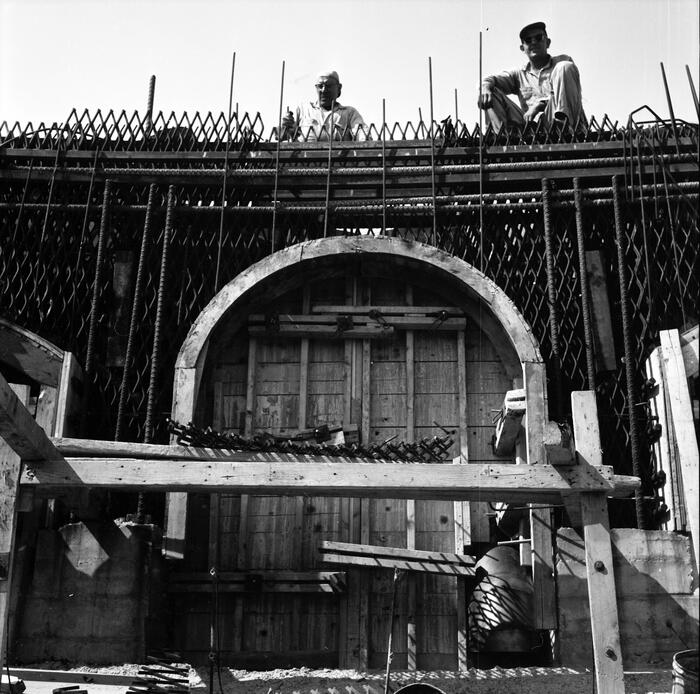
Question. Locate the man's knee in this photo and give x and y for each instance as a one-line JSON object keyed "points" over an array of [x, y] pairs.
{"points": [[565, 69]]}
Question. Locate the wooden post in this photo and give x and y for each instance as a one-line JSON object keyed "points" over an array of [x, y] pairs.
{"points": [[10, 464], [540, 519], [411, 655], [462, 509], [684, 428], [602, 599]]}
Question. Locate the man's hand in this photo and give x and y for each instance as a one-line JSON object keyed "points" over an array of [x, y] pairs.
{"points": [[288, 120], [532, 112], [485, 99]]}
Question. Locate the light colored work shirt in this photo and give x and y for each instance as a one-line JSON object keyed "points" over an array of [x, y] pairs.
{"points": [[529, 84], [314, 121]]}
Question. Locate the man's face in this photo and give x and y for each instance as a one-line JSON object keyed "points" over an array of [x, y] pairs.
{"points": [[535, 44], [328, 90]]}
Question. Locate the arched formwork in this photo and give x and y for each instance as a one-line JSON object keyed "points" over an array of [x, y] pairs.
{"points": [[494, 319]]}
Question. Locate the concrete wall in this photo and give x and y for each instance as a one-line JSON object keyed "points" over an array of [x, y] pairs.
{"points": [[657, 597], [89, 597]]}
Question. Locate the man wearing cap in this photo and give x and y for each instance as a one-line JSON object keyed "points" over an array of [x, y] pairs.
{"points": [[315, 120], [547, 85]]}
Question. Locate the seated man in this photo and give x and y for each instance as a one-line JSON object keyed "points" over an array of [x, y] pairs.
{"points": [[314, 120], [546, 84]]}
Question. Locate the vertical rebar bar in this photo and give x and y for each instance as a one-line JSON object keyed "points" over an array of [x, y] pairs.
{"points": [[552, 299], [135, 307], [383, 167], [96, 287], [432, 152], [158, 323], [149, 104], [331, 131], [670, 110], [277, 165], [481, 163], [583, 281], [225, 176], [692, 90], [629, 356], [456, 111]]}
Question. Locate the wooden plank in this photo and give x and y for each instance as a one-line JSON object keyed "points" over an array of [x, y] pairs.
{"points": [[19, 429], [46, 404], [544, 585], [403, 564], [600, 312], [411, 587], [322, 331], [365, 529], [690, 346], [584, 414], [10, 466], [70, 389], [684, 429], [602, 599], [399, 553], [462, 509], [365, 480], [402, 310], [329, 322]]}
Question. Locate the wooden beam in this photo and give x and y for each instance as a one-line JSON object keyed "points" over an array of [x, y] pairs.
{"points": [[379, 556], [19, 429], [606, 359], [304, 475], [542, 553], [260, 581], [602, 599], [676, 384], [411, 584], [10, 466]]}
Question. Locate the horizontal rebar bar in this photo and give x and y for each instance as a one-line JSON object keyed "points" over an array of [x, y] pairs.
{"points": [[349, 171]]}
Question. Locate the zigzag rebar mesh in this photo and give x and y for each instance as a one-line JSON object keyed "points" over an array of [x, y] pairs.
{"points": [[52, 181]]}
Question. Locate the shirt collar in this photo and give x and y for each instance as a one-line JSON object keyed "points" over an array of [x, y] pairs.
{"points": [[338, 105], [528, 65]]}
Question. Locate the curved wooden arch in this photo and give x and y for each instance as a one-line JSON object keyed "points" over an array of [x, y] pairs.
{"points": [[489, 306], [29, 354]]}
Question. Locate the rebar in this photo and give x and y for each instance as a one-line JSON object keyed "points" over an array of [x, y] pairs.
{"points": [[149, 104], [223, 187], [629, 355], [432, 152], [158, 323], [367, 171], [135, 307], [383, 166], [552, 300], [583, 281], [331, 132], [670, 108], [277, 165], [96, 287]]}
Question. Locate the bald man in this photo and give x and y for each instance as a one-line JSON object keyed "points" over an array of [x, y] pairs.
{"points": [[314, 120]]}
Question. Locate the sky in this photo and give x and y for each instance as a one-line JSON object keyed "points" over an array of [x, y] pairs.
{"points": [[56, 55]]}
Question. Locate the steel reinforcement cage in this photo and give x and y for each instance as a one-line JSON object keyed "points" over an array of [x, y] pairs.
{"points": [[116, 231]]}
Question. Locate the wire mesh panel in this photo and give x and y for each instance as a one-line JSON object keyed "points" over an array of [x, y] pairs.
{"points": [[79, 266]]}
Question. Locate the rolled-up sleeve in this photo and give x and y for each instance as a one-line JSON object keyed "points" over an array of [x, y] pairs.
{"points": [[507, 81]]}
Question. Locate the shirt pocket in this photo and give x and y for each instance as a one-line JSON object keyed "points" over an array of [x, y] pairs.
{"points": [[526, 92]]}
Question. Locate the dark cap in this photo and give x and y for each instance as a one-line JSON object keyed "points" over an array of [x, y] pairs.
{"points": [[535, 26]]}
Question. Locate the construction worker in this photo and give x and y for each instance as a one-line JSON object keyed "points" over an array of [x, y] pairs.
{"points": [[546, 85], [314, 120]]}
